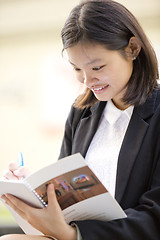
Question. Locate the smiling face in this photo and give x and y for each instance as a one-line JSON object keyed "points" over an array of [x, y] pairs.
{"points": [[103, 71]]}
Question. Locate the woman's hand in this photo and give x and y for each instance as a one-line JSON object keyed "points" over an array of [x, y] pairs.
{"points": [[14, 172], [49, 220]]}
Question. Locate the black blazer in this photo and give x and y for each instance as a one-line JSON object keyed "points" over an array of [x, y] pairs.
{"points": [[138, 172]]}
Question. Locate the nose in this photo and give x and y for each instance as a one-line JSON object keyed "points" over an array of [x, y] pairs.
{"points": [[89, 80]]}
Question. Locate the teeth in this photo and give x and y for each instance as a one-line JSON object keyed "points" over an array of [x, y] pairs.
{"points": [[97, 89]]}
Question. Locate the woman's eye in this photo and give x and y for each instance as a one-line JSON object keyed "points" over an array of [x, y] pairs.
{"points": [[97, 68], [76, 69]]}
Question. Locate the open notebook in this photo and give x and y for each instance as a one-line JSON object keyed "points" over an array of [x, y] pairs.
{"points": [[79, 192]]}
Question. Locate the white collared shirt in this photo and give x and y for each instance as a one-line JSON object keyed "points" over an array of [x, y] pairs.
{"points": [[103, 152]]}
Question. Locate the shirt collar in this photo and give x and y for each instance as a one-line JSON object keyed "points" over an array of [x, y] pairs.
{"points": [[112, 113]]}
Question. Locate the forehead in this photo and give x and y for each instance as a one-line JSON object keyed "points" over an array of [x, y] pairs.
{"points": [[89, 53]]}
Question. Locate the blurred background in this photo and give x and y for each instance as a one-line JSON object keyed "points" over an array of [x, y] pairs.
{"points": [[36, 82]]}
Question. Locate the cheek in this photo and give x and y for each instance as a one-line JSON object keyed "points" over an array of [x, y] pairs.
{"points": [[79, 77], [126, 74], [106, 76], [123, 73], [102, 76]]}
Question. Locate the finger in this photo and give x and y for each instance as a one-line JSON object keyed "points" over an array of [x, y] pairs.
{"points": [[53, 205], [7, 174], [22, 172], [52, 199], [12, 166], [20, 204], [10, 203], [54, 210]]}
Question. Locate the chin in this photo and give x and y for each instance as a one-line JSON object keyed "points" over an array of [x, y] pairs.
{"points": [[103, 99]]}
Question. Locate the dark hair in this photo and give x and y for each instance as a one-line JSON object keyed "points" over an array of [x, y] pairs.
{"points": [[109, 23]]}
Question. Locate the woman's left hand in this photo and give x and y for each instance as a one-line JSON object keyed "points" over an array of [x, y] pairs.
{"points": [[49, 220]]}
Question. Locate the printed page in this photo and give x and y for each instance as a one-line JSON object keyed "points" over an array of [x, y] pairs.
{"points": [[62, 166], [101, 207], [78, 191]]}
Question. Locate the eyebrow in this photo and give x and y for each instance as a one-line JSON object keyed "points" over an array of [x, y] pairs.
{"points": [[89, 63]]}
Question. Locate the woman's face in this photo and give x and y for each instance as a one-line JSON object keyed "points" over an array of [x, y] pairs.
{"points": [[103, 71]]}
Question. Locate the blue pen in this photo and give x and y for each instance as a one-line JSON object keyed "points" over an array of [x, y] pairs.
{"points": [[20, 159]]}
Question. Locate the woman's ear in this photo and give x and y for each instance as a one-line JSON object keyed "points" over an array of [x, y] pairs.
{"points": [[133, 48]]}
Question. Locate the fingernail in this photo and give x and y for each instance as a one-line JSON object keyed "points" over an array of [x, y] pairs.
{"points": [[51, 186], [2, 196]]}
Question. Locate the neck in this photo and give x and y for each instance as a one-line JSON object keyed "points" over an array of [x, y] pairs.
{"points": [[120, 105]]}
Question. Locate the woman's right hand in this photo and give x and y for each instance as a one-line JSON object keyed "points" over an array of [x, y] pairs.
{"points": [[14, 172]]}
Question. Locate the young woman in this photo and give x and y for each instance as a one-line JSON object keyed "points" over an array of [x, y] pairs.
{"points": [[114, 125]]}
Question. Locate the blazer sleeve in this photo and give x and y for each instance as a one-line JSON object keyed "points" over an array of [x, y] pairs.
{"points": [[141, 222]]}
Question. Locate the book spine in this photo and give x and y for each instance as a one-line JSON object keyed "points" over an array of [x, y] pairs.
{"points": [[36, 194]]}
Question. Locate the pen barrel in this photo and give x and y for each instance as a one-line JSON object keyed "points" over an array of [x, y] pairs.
{"points": [[20, 159]]}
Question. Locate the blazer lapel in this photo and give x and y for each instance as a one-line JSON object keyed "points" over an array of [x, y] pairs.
{"points": [[87, 128], [129, 150], [132, 143]]}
